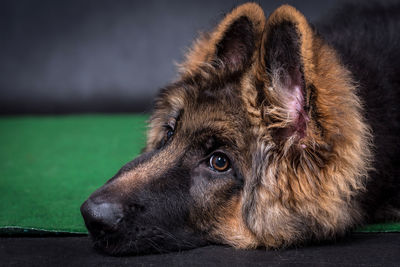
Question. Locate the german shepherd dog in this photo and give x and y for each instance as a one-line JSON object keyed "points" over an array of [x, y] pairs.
{"points": [[275, 134]]}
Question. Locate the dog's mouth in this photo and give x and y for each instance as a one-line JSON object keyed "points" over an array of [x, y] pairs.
{"points": [[116, 233], [140, 240]]}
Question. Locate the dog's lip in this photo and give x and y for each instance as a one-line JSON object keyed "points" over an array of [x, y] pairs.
{"points": [[107, 247], [131, 243], [114, 247]]}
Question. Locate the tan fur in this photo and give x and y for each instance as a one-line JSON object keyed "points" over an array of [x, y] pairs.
{"points": [[232, 230], [303, 187], [315, 183], [140, 175], [156, 132]]}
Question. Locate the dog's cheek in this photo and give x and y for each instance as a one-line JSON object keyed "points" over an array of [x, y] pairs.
{"points": [[231, 228], [217, 210]]}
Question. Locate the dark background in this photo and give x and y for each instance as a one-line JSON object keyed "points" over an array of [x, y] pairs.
{"points": [[75, 56], [70, 56]]}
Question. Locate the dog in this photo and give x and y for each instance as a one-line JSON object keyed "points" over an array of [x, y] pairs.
{"points": [[277, 133]]}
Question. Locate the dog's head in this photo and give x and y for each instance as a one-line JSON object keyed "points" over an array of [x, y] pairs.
{"points": [[259, 143]]}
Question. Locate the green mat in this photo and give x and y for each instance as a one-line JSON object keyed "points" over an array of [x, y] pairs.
{"points": [[50, 165]]}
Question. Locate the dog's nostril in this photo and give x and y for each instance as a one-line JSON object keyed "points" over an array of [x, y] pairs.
{"points": [[101, 217]]}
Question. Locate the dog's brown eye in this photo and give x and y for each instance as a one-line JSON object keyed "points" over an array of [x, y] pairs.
{"points": [[219, 162]]}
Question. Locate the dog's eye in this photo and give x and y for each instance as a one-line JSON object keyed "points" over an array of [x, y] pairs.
{"points": [[169, 133], [219, 162], [170, 129]]}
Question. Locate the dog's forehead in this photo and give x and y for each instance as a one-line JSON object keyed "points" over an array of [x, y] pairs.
{"points": [[219, 106], [203, 109]]}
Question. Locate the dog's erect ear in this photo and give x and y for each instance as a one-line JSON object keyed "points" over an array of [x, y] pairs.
{"points": [[288, 66], [230, 47], [313, 147], [236, 47]]}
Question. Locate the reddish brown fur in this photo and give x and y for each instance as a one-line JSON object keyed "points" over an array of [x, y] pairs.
{"points": [[296, 137], [307, 185], [315, 183]]}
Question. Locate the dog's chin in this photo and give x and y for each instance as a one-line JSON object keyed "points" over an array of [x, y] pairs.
{"points": [[118, 244], [109, 245]]}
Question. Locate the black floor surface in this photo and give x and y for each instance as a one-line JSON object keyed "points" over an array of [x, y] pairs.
{"points": [[357, 250]]}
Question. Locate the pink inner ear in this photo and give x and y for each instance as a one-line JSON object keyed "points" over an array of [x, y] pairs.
{"points": [[295, 106], [296, 102]]}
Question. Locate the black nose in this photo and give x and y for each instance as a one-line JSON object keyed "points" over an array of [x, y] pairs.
{"points": [[101, 216]]}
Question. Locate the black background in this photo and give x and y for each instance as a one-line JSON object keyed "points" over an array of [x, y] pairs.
{"points": [[69, 56]]}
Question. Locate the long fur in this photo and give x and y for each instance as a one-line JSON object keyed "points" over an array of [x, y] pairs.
{"points": [[308, 120]]}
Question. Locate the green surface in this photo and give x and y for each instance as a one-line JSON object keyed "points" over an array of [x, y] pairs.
{"points": [[50, 165], [384, 227]]}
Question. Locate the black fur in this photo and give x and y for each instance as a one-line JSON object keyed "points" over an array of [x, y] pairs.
{"points": [[368, 41], [237, 45], [170, 211], [282, 50], [153, 217]]}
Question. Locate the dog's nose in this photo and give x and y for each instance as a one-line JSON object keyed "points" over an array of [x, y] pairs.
{"points": [[101, 216]]}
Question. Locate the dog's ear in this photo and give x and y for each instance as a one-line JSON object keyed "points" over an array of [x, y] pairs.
{"points": [[313, 149], [235, 49], [230, 47], [288, 69]]}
